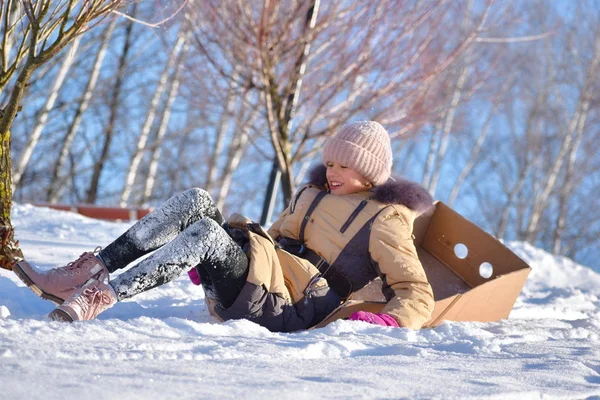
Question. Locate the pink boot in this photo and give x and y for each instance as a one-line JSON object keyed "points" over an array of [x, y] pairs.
{"points": [[60, 283], [86, 303]]}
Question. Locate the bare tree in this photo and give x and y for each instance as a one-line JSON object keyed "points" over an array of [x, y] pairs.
{"points": [[578, 128], [57, 180], [287, 46], [46, 27], [162, 129], [526, 162], [150, 116], [536, 180], [109, 130], [574, 130], [220, 133], [42, 119], [479, 143], [236, 150]]}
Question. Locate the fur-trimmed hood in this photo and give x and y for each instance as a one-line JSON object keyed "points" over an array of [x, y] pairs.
{"points": [[394, 191]]}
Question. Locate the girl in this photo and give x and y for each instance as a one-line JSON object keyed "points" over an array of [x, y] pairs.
{"points": [[350, 224]]}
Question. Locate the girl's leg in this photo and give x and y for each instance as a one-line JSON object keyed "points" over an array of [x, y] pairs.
{"points": [[222, 264], [151, 232], [160, 227]]}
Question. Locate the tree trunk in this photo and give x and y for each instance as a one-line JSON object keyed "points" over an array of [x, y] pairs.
{"points": [[145, 132], [566, 188], [280, 111], [448, 123], [431, 154], [183, 138], [10, 252], [472, 159], [221, 129], [234, 157], [578, 118], [92, 194], [162, 129], [318, 144], [42, 119], [528, 164], [58, 181], [514, 194], [13, 11]]}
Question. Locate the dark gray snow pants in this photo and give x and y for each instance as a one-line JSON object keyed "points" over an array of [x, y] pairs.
{"points": [[186, 231]]}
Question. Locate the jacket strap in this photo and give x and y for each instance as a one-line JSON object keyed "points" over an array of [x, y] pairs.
{"points": [[295, 200], [336, 279], [310, 210], [353, 216]]}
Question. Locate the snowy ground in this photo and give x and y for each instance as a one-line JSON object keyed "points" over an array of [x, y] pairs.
{"points": [[164, 345]]}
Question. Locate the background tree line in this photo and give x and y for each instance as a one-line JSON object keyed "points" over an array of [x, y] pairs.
{"points": [[493, 106]]}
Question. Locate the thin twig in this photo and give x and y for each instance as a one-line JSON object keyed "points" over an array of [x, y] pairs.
{"points": [[151, 25], [514, 39]]}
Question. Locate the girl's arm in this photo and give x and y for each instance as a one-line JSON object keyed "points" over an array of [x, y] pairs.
{"points": [[404, 281]]}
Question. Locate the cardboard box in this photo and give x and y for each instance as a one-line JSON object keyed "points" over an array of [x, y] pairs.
{"points": [[474, 277]]}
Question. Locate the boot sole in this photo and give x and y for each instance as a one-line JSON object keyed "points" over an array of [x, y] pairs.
{"points": [[31, 285], [60, 316]]}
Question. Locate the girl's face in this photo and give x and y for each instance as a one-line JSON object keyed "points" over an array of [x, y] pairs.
{"points": [[344, 180]]}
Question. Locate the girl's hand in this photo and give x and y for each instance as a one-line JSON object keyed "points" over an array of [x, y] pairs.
{"points": [[194, 276], [375, 319]]}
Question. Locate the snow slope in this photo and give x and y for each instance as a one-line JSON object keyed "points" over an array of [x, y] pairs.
{"points": [[163, 344]]}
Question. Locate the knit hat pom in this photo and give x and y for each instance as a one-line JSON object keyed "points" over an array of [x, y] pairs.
{"points": [[363, 146]]}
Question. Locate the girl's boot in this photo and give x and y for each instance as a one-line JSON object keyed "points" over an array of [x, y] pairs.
{"points": [[86, 303], [60, 283]]}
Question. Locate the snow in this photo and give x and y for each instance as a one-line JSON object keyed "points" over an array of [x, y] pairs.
{"points": [[163, 344]]}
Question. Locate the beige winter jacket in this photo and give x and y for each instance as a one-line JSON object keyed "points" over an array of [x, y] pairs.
{"points": [[390, 245]]}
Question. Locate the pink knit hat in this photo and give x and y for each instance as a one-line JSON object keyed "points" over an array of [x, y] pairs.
{"points": [[363, 146]]}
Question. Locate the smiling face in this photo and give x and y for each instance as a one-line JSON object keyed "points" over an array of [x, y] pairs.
{"points": [[343, 180]]}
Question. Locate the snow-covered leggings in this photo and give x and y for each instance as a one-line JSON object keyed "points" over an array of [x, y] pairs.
{"points": [[188, 232]]}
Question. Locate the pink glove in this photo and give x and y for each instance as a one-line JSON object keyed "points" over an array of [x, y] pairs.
{"points": [[375, 319], [194, 277]]}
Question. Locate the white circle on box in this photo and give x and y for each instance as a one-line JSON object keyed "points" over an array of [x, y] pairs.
{"points": [[461, 251], [486, 270]]}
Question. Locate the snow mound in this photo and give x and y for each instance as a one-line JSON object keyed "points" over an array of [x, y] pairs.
{"points": [[550, 271]]}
